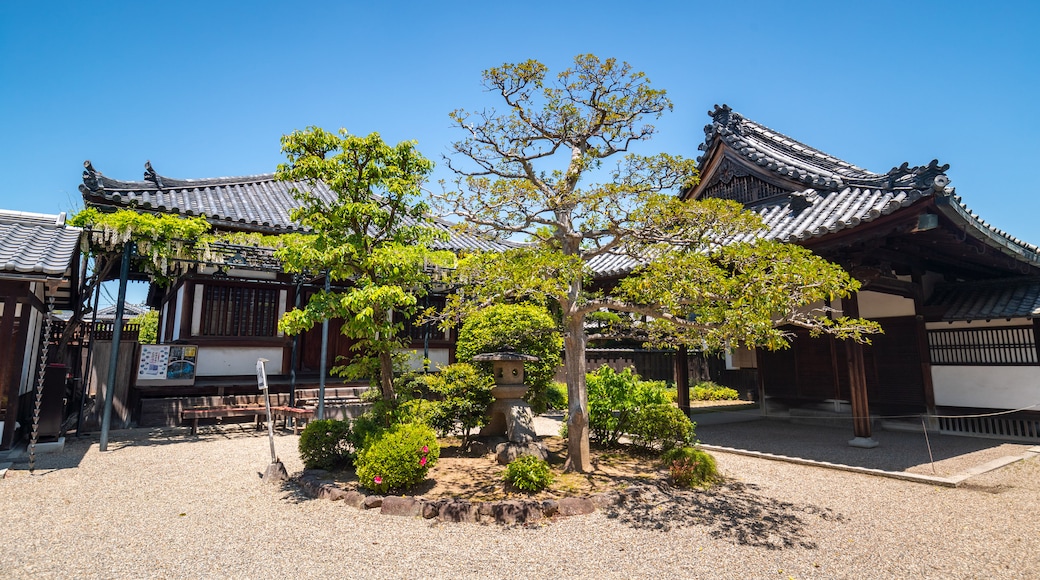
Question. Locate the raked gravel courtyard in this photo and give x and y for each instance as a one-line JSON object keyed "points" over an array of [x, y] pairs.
{"points": [[163, 504]]}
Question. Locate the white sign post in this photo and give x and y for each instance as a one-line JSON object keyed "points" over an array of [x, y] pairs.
{"points": [[275, 471]]}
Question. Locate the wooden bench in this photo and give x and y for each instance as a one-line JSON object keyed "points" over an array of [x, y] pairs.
{"points": [[218, 412]]}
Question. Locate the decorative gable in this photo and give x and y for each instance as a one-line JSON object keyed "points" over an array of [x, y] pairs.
{"points": [[733, 181]]}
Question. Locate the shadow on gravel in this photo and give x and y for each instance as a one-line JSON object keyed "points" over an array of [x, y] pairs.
{"points": [[731, 512]]}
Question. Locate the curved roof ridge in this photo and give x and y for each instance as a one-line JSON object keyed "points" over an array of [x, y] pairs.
{"points": [[796, 161]]}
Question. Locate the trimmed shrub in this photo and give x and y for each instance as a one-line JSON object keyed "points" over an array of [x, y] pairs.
{"points": [[463, 395], [709, 391], [527, 328], [326, 444], [614, 397], [556, 396], [690, 467], [528, 473], [398, 458], [661, 427]]}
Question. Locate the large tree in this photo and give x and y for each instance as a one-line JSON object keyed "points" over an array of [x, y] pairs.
{"points": [[698, 275], [372, 239]]}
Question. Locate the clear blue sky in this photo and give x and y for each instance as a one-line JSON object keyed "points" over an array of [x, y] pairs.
{"points": [[205, 89]]}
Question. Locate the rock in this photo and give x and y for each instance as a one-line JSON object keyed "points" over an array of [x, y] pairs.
{"points": [[354, 499], [507, 452], [276, 473], [459, 511], [532, 511], [333, 493], [372, 501], [507, 512], [478, 448], [606, 499], [395, 505], [576, 506], [431, 509], [550, 507]]}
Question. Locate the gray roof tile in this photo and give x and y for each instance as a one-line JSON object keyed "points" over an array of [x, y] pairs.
{"points": [[257, 203], [996, 299], [36, 245]]}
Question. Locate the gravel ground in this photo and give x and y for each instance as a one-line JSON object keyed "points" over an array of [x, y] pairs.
{"points": [[164, 504]]}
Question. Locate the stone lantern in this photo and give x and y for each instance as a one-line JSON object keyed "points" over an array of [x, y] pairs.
{"points": [[510, 414]]}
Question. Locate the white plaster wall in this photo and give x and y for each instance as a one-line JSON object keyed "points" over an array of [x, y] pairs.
{"points": [[196, 311], [179, 300], [878, 305], [438, 358], [236, 360], [1010, 387]]}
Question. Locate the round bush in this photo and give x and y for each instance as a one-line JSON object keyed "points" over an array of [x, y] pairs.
{"points": [[326, 444], [526, 328], [661, 427], [398, 458], [690, 467], [528, 473]]}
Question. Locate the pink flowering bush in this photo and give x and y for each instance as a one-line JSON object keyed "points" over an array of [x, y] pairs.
{"points": [[398, 458]]}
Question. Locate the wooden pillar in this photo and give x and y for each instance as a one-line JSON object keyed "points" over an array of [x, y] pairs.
{"points": [[1036, 337], [682, 379], [922, 344], [10, 371], [857, 382]]}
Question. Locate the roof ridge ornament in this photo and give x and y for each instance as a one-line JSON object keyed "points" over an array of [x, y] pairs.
{"points": [[151, 175], [91, 176]]}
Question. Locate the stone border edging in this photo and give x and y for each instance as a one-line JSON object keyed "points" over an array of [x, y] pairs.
{"points": [[952, 481], [506, 512]]}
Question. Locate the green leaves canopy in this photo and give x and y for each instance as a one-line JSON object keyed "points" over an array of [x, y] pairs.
{"points": [[371, 234]]}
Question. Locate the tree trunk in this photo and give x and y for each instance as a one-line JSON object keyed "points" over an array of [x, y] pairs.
{"points": [[386, 375], [577, 397]]}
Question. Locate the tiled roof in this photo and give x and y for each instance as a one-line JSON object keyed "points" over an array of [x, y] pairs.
{"points": [[827, 194], [129, 311], [798, 162], [257, 203], [995, 299], [36, 245]]}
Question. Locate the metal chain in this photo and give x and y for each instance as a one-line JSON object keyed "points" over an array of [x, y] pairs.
{"points": [[39, 386]]}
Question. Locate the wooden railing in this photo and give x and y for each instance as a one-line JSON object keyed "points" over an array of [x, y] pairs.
{"points": [[103, 330]]}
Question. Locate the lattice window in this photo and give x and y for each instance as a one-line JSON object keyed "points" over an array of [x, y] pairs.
{"points": [[1007, 346], [417, 332], [743, 189], [239, 311]]}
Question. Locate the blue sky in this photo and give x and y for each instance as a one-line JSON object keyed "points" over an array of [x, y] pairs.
{"points": [[205, 89]]}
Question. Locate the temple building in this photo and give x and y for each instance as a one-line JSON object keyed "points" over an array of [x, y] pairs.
{"points": [[958, 299]]}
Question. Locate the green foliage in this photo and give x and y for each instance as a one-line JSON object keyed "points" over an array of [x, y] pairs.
{"points": [[690, 467], [525, 328], [375, 235], [661, 427], [556, 396], [326, 444], [462, 396], [149, 327], [614, 398], [160, 239], [407, 407], [709, 391], [741, 293], [398, 458], [528, 171], [528, 473]]}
